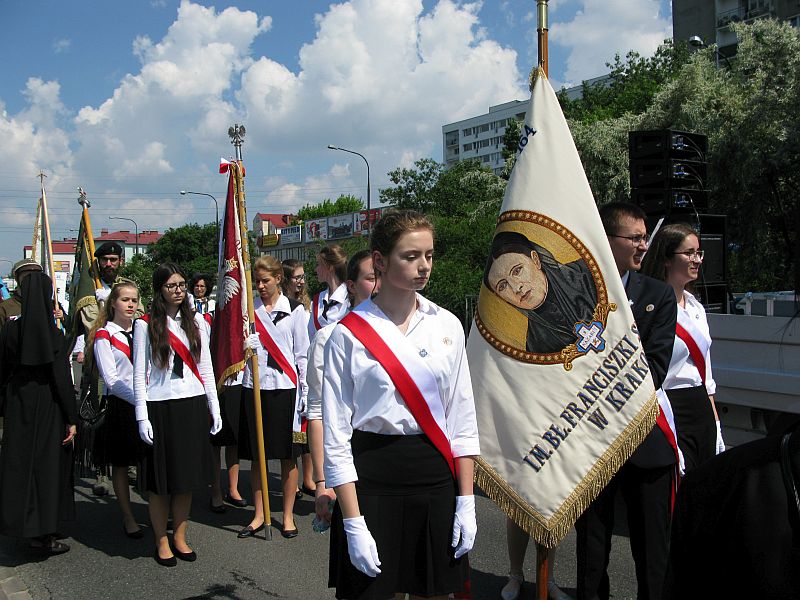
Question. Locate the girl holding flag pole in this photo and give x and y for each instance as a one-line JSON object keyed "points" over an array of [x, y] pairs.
{"points": [[400, 432], [175, 391], [281, 343]]}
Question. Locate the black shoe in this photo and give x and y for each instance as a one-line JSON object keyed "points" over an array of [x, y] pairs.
{"points": [[165, 562], [217, 509], [190, 556], [134, 535], [298, 495], [239, 503], [289, 533], [48, 544], [308, 491], [249, 531]]}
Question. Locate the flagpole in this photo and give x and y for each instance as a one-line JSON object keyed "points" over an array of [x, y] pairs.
{"points": [[51, 263], [543, 553], [237, 134], [36, 227], [88, 236]]}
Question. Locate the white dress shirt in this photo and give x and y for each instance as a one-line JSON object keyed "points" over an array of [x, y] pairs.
{"points": [[358, 393], [316, 367], [115, 367], [335, 313], [294, 337], [683, 373], [153, 384]]}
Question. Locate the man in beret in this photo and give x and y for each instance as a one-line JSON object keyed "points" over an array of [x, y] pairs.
{"points": [[12, 308]]}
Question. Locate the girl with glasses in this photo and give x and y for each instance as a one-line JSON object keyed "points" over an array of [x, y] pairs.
{"points": [[675, 257], [175, 392]]}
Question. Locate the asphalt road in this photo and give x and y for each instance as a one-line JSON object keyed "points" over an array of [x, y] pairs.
{"points": [[104, 564]]}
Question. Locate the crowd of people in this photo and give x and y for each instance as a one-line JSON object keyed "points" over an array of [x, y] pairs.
{"points": [[371, 371]]}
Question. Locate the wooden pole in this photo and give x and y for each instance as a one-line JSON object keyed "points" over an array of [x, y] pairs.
{"points": [[37, 225], [542, 29], [543, 567], [262, 460], [88, 237]]}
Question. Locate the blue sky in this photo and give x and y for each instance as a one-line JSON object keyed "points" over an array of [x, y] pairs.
{"points": [[132, 100]]}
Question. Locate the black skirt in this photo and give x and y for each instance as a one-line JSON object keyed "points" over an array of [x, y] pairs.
{"points": [[179, 460], [277, 418], [695, 424], [407, 496], [230, 405], [117, 441]]}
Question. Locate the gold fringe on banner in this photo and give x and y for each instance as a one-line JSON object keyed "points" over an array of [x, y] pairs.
{"points": [[550, 532], [229, 372], [299, 437]]}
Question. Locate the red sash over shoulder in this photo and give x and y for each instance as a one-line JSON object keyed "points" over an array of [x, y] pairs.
{"points": [[102, 334], [274, 351], [315, 310], [694, 350], [406, 386], [181, 350]]}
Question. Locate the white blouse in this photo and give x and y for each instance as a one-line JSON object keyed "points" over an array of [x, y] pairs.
{"points": [[682, 371], [316, 367], [357, 393], [153, 384], [294, 338], [115, 367], [335, 313]]}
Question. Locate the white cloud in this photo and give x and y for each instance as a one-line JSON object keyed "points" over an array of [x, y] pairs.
{"points": [[62, 45], [601, 28]]}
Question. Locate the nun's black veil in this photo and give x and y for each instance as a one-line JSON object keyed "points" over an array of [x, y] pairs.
{"points": [[39, 338]]}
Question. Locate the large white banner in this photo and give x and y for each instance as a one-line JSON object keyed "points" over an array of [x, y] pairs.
{"points": [[562, 388]]}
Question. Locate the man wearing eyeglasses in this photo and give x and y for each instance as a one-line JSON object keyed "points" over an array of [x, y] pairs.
{"points": [[645, 480]]}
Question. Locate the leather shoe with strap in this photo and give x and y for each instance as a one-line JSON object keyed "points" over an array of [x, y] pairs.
{"points": [[249, 531]]}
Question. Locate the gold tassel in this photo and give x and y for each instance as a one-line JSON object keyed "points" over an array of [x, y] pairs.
{"points": [[550, 532]]}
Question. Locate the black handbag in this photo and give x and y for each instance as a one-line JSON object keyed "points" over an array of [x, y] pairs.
{"points": [[92, 406]]}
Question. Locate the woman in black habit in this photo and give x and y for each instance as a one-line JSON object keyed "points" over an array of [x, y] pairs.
{"points": [[38, 402]]}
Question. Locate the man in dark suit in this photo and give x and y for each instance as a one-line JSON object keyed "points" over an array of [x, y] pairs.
{"points": [[645, 480]]}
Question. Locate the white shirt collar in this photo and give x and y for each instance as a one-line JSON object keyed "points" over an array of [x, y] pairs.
{"points": [[339, 294]]}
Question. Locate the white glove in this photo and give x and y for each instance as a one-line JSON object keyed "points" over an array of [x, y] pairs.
{"points": [[102, 294], [465, 527], [146, 431], [681, 464], [361, 546], [720, 441], [216, 424], [253, 342]]}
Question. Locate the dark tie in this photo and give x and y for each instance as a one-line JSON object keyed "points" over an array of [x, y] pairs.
{"points": [[271, 362], [177, 366], [327, 304]]}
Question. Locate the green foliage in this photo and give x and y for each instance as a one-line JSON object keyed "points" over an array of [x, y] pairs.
{"points": [[194, 247], [140, 269], [345, 203], [350, 247], [630, 87], [510, 144], [413, 187]]}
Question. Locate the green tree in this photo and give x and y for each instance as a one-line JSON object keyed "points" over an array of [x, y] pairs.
{"points": [[140, 269], [194, 247], [510, 145], [345, 203]]}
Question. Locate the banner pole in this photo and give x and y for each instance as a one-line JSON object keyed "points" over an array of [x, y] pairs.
{"points": [[254, 357], [542, 29], [543, 566], [89, 236], [50, 261]]}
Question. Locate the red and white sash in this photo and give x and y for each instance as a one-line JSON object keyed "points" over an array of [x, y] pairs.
{"points": [[272, 340], [666, 423], [412, 377], [103, 334], [315, 311], [180, 345], [696, 341]]}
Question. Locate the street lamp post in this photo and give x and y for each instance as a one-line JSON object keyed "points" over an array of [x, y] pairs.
{"points": [[216, 206], [136, 228], [332, 147], [697, 42]]}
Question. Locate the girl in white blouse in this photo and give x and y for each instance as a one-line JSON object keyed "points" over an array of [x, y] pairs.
{"points": [[400, 431], [281, 343], [175, 391], [330, 304], [110, 342], [675, 256]]}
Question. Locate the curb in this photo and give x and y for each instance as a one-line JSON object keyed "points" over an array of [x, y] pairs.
{"points": [[11, 586]]}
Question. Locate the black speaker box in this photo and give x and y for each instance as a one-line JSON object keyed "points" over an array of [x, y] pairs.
{"points": [[667, 143], [670, 173], [661, 202]]}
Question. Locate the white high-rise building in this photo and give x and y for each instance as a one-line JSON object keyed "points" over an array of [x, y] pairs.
{"points": [[481, 137]]}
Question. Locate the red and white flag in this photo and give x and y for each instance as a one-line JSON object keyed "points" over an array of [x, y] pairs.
{"points": [[230, 321]]}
